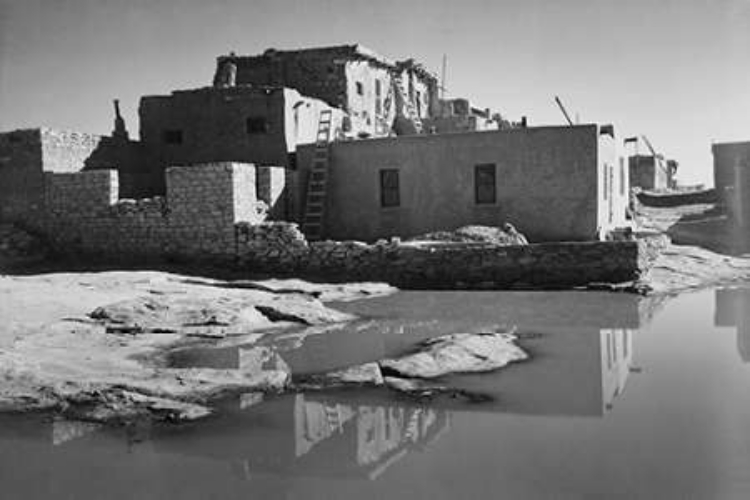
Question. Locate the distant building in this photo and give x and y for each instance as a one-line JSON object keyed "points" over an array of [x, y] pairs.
{"points": [[732, 178], [650, 172], [458, 115]]}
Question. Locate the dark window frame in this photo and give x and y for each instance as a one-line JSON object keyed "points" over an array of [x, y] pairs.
{"points": [[257, 125], [172, 136], [485, 192], [390, 188]]}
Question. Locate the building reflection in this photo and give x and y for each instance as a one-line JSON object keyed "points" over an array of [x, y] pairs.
{"points": [[581, 356], [313, 435], [733, 310]]}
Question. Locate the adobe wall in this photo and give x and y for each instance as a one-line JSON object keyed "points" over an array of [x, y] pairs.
{"points": [[728, 158], [314, 73], [645, 173], [614, 185], [65, 151], [21, 177], [332, 74], [213, 123], [546, 183]]}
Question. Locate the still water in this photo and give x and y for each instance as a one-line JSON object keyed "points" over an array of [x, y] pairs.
{"points": [[625, 397]]}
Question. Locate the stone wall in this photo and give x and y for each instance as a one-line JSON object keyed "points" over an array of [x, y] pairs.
{"points": [[25, 155], [281, 248], [196, 220]]}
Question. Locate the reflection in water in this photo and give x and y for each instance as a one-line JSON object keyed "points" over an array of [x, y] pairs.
{"points": [[580, 344], [733, 310], [581, 348], [679, 431], [375, 436]]}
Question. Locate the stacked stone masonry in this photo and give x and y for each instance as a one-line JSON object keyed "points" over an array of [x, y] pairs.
{"points": [[212, 213], [195, 221], [281, 249]]}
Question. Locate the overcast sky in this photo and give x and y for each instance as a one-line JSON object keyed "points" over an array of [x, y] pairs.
{"points": [[677, 71]]}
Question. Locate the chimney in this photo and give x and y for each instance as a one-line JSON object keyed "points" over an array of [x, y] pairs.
{"points": [[120, 131]]}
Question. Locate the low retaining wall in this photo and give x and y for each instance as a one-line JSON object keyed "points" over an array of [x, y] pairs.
{"points": [[281, 249]]}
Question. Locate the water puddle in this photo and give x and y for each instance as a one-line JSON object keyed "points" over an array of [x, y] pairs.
{"points": [[624, 396]]}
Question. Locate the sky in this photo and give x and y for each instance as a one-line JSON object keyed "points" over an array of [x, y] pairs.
{"points": [[677, 71]]}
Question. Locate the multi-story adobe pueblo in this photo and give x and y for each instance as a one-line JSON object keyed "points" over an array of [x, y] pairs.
{"points": [[346, 142]]}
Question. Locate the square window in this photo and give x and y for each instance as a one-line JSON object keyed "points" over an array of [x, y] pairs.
{"points": [[257, 125], [484, 184], [172, 136], [389, 188]]}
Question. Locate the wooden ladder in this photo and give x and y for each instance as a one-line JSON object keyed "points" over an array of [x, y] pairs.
{"points": [[411, 112], [317, 183]]}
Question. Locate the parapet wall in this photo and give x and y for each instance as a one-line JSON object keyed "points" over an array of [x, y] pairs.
{"points": [[65, 151]]}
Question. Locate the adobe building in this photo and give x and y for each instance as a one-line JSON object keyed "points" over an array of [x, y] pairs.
{"points": [[651, 173], [732, 178], [553, 183], [248, 124], [373, 90], [458, 115]]}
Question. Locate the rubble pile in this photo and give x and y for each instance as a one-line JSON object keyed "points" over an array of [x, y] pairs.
{"points": [[506, 236], [280, 244]]}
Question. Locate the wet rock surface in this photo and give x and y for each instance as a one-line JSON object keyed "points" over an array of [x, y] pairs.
{"points": [[413, 374], [457, 353], [90, 345]]}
